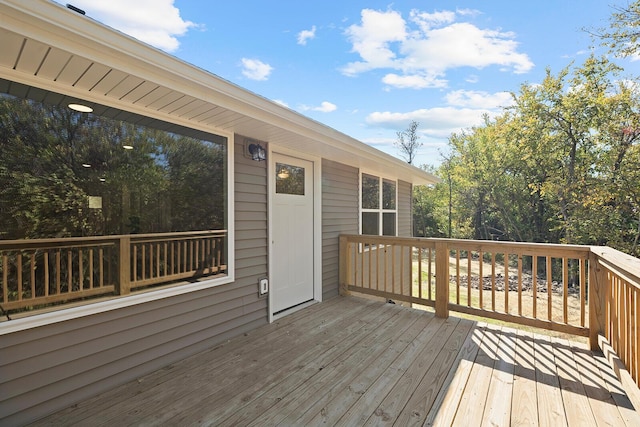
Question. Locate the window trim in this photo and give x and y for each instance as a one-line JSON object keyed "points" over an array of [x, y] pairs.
{"points": [[380, 211]]}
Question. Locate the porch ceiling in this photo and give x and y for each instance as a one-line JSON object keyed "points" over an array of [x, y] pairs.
{"points": [[49, 47]]}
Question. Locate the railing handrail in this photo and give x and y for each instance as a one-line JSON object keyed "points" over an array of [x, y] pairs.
{"points": [[622, 264], [63, 242], [522, 246]]}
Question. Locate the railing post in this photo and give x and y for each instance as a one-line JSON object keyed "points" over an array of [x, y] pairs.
{"points": [[343, 263], [124, 265], [597, 300], [442, 280]]}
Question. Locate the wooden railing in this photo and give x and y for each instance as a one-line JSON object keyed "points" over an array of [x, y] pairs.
{"points": [[581, 290], [615, 278], [47, 271]]}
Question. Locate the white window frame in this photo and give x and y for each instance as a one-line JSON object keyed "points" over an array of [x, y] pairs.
{"points": [[380, 211]]}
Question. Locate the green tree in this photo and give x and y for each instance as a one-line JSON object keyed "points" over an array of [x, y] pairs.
{"points": [[621, 37]]}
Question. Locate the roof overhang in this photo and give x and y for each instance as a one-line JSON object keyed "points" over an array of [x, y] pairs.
{"points": [[50, 47]]}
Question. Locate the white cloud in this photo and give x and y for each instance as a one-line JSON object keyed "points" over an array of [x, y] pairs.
{"points": [[372, 40], [305, 35], [414, 81], [479, 99], [422, 56], [427, 20], [324, 107], [255, 69], [156, 22], [439, 122]]}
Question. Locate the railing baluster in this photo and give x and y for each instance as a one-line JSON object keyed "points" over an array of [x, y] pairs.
{"points": [[134, 266], [69, 271], [45, 256], [429, 274], [33, 275], [549, 288], [519, 255], [507, 282], [144, 261], [19, 267], [164, 259], [442, 280], [534, 285], [101, 266], [419, 272], [58, 272], [480, 279], [90, 268], [158, 259], [370, 267], [80, 270], [565, 290], [5, 278], [583, 292], [493, 281], [469, 258], [457, 276]]}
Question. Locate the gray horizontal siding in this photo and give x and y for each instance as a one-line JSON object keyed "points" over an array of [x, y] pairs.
{"points": [[405, 200], [339, 215], [51, 367]]}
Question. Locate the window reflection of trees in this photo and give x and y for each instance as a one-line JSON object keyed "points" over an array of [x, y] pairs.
{"points": [[54, 159], [289, 179]]}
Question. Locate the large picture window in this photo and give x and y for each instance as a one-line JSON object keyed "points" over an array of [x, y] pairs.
{"points": [[378, 205], [105, 202]]}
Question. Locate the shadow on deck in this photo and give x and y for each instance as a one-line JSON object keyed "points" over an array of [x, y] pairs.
{"points": [[350, 361]]}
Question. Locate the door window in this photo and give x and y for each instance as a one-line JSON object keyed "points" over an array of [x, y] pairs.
{"points": [[289, 179]]}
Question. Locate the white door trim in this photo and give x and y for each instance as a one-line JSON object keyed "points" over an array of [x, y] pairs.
{"points": [[317, 222]]}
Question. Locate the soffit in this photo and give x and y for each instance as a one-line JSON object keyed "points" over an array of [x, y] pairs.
{"points": [[55, 50]]}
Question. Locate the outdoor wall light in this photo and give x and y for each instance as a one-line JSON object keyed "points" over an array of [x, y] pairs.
{"points": [[81, 108], [257, 152]]}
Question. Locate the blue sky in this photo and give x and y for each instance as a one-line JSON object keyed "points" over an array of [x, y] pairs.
{"points": [[368, 68]]}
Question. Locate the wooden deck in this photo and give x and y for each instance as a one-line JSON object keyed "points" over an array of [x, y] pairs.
{"points": [[350, 361]]}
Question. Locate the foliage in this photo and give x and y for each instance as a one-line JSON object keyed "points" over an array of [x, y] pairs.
{"points": [[561, 165], [622, 36]]}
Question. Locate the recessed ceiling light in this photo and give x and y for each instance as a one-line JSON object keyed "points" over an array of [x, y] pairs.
{"points": [[128, 147], [81, 108]]}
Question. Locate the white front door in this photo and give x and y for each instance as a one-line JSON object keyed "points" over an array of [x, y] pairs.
{"points": [[292, 233]]}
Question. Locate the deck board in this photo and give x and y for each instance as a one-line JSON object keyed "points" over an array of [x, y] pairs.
{"points": [[350, 361], [524, 406]]}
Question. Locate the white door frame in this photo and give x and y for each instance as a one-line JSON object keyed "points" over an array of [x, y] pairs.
{"points": [[317, 223]]}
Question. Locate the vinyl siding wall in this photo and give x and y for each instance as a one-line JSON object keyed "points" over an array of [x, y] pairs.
{"points": [[405, 219], [51, 367], [340, 196]]}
